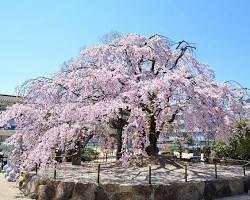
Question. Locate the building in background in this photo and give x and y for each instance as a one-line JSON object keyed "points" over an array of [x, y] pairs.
{"points": [[5, 101]]}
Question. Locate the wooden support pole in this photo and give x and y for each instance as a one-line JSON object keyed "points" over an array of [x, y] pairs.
{"points": [[149, 174], [215, 170], [98, 173], [244, 170], [186, 173], [55, 172]]}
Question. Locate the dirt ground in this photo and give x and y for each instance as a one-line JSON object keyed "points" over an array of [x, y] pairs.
{"points": [[9, 190], [160, 174]]}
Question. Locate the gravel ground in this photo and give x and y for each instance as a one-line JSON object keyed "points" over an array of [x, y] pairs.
{"points": [[161, 174], [9, 190]]}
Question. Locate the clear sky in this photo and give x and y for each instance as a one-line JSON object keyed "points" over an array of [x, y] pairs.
{"points": [[36, 37]]}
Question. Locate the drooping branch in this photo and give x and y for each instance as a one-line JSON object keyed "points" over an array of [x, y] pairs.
{"points": [[183, 46]]}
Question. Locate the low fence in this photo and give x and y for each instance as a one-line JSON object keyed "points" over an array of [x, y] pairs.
{"points": [[156, 171]]}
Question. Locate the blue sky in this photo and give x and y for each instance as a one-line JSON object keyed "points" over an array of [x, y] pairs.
{"points": [[36, 37]]}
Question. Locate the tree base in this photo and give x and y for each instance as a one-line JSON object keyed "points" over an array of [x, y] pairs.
{"points": [[76, 160], [152, 150]]}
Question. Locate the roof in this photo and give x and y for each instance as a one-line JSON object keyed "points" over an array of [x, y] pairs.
{"points": [[6, 133], [8, 99]]}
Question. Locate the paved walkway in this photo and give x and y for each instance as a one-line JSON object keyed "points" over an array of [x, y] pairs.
{"points": [[9, 190], [239, 197]]}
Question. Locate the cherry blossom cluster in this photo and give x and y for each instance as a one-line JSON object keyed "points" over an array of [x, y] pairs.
{"points": [[144, 86]]}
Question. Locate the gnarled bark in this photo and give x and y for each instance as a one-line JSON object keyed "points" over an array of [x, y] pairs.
{"points": [[76, 156], [152, 149], [119, 144]]}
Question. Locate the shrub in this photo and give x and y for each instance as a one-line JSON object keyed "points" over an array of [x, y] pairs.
{"points": [[221, 149], [88, 154], [239, 144]]}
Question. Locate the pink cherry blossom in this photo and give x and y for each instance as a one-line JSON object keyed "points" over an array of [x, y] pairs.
{"points": [[145, 87]]}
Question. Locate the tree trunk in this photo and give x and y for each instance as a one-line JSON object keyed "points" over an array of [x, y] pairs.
{"points": [[118, 124], [76, 156], [119, 144], [152, 149]]}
